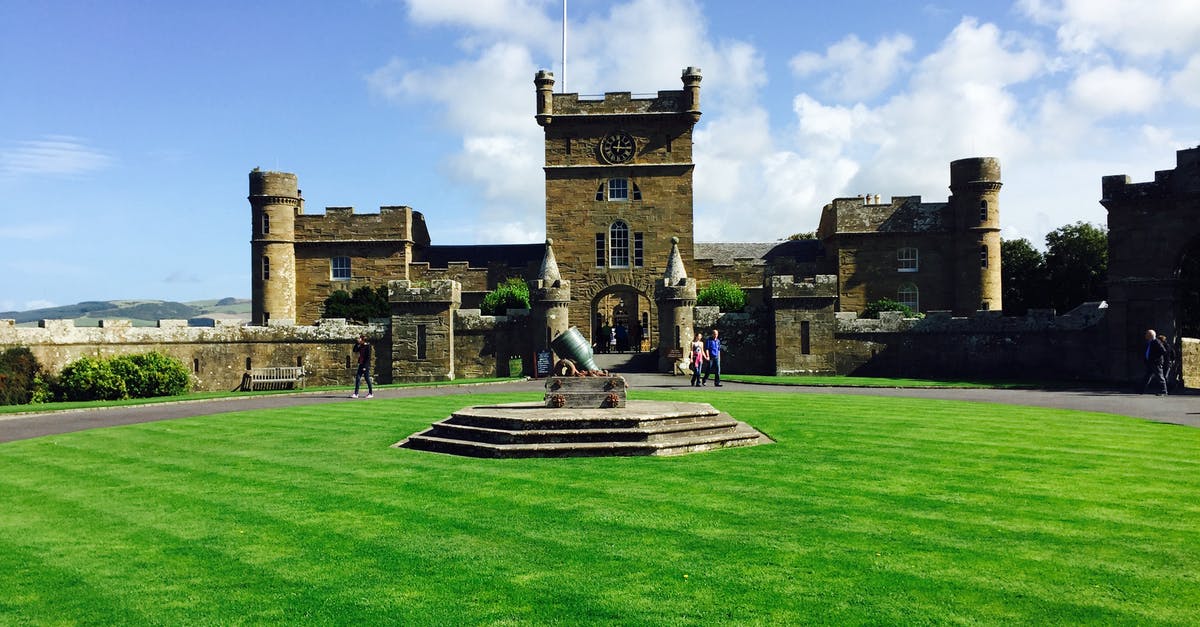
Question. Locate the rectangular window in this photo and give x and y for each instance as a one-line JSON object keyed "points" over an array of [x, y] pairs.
{"points": [[266, 224], [567, 141], [618, 189], [983, 256], [266, 268], [599, 250], [339, 268], [906, 260], [805, 346], [638, 250], [618, 245], [983, 211], [422, 338]]}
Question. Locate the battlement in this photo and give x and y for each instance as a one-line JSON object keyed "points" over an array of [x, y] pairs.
{"points": [[619, 102], [902, 214], [440, 291], [341, 224], [1183, 179], [1085, 316], [819, 286]]}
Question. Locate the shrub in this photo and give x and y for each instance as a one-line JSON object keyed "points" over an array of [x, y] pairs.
{"points": [[88, 379], [365, 303], [18, 370], [513, 293], [45, 388], [151, 374], [723, 294], [886, 304]]}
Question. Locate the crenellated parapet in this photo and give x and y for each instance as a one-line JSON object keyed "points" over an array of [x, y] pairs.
{"points": [[341, 225], [789, 287]]}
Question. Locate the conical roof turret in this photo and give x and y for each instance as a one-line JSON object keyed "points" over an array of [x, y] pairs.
{"points": [[675, 274], [549, 271]]}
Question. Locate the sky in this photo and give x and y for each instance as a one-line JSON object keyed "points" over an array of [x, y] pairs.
{"points": [[128, 128]]}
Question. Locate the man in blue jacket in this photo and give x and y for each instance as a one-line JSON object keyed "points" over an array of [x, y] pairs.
{"points": [[713, 346]]}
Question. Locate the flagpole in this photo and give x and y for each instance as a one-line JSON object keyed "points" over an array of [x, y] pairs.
{"points": [[563, 79]]}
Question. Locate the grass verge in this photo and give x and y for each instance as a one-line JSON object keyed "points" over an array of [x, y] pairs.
{"points": [[867, 510]]}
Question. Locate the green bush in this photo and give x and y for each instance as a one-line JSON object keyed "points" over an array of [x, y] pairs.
{"points": [[513, 293], [18, 371], [886, 304], [723, 294], [88, 379], [152, 374]]}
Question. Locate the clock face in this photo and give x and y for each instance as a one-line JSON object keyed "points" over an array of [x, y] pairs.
{"points": [[617, 147]]}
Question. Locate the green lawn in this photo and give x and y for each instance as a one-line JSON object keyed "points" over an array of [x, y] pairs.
{"points": [[867, 510]]}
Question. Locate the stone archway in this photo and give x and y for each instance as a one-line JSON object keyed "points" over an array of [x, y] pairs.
{"points": [[622, 320]]}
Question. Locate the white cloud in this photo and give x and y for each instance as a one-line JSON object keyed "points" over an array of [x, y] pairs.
{"points": [[523, 19], [854, 70], [1185, 84], [1136, 27], [52, 155], [1107, 90]]}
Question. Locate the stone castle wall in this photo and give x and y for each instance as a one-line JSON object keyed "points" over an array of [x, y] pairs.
{"points": [[217, 356]]}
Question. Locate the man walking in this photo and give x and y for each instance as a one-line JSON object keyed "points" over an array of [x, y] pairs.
{"points": [[364, 366], [713, 346], [1154, 355]]}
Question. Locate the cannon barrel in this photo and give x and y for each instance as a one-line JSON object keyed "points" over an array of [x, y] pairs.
{"points": [[572, 345]]}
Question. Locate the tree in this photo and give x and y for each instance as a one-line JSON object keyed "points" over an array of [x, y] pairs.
{"points": [[365, 303], [1023, 272], [723, 294], [886, 304], [802, 235], [1076, 264], [513, 293]]}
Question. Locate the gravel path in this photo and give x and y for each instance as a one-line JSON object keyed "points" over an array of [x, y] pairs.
{"points": [[1180, 409]]}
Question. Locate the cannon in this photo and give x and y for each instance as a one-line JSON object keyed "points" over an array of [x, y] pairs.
{"points": [[572, 345]]}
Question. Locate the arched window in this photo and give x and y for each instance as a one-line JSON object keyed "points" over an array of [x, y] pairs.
{"points": [[906, 260], [983, 256], [983, 211], [618, 245], [908, 295]]}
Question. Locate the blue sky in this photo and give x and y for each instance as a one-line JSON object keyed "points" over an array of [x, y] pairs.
{"points": [[127, 129]]}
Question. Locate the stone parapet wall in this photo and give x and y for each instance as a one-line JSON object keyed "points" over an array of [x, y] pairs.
{"points": [[484, 344], [986, 345], [339, 224], [1190, 358], [217, 356]]}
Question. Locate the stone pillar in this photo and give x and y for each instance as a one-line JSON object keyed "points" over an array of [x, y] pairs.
{"points": [[675, 296], [804, 324], [423, 329]]}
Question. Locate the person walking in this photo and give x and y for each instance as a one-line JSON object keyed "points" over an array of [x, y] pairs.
{"points": [[364, 366], [1170, 360], [697, 359], [712, 346], [1153, 355]]}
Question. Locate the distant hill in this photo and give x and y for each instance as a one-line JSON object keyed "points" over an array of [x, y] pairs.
{"points": [[143, 311]]}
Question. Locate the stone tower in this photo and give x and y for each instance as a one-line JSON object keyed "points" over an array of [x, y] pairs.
{"points": [[274, 203], [618, 187], [975, 205], [675, 295], [549, 296]]}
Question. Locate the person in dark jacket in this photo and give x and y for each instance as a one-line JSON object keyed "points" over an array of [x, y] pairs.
{"points": [[364, 366], [1170, 360], [1153, 355]]}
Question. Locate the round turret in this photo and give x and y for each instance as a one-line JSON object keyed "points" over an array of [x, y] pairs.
{"points": [[274, 202], [544, 80], [975, 202], [691, 92]]}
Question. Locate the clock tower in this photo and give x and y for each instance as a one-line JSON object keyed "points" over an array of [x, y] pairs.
{"points": [[618, 189]]}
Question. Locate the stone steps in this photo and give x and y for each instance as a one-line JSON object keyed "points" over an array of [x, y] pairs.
{"points": [[533, 430]]}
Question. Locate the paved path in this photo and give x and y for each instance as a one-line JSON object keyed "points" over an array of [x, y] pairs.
{"points": [[1183, 409]]}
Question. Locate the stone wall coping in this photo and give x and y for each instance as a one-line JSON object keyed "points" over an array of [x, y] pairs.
{"points": [[57, 332]]}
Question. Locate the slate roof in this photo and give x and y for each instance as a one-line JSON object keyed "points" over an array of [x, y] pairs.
{"points": [[481, 255], [724, 253]]}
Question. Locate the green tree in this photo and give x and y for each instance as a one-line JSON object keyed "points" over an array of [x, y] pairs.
{"points": [[1023, 272], [802, 235], [88, 379], [513, 293], [1076, 264], [19, 370], [723, 294], [365, 303]]}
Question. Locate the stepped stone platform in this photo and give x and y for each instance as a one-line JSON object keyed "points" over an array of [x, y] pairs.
{"points": [[535, 430]]}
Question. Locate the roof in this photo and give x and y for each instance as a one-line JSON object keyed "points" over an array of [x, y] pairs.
{"points": [[483, 255], [724, 253]]}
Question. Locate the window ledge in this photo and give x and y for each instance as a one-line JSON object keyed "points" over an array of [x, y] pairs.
{"points": [[907, 269]]}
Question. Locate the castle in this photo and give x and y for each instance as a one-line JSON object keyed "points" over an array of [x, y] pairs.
{"points": [[620, 250], [619, 181]]}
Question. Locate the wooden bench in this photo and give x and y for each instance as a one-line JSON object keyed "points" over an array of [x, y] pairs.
{"points": [[275, 378]]}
